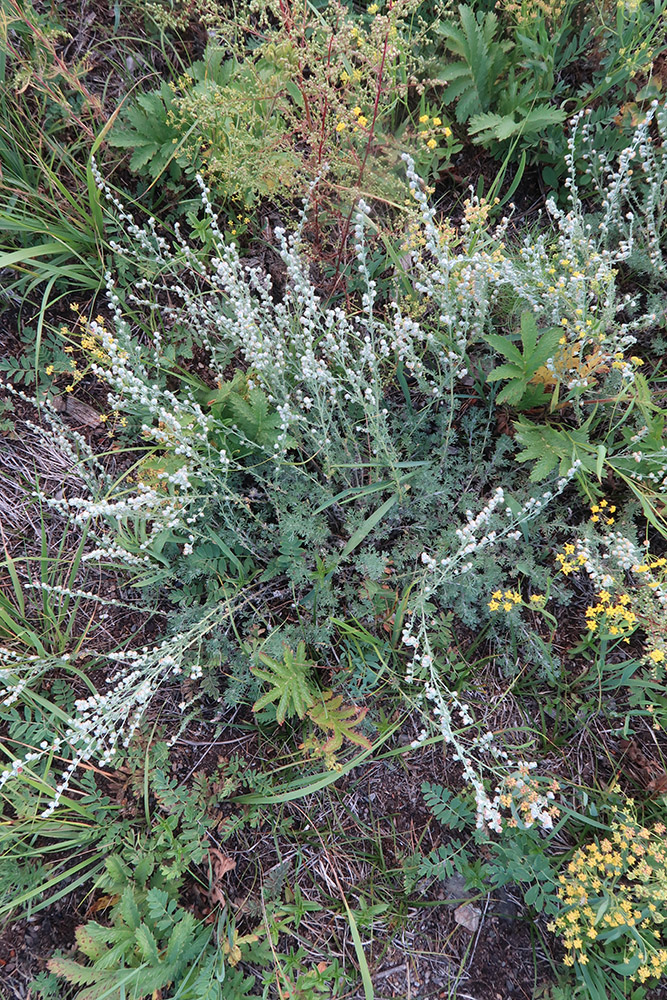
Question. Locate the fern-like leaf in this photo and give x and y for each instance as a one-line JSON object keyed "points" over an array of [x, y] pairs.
{"points": [[489, 127], [290, 686], [450, 810], [339, 720], [553, 447], [73, 972], [147, 131], [482, 59]]}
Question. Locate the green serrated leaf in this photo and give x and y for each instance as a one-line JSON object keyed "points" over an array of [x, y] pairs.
{"points": [[505, 371], [505, 346], [181, 938], [529, 332], [147, 944], [118, 872], [128, 909], [513, 393]]}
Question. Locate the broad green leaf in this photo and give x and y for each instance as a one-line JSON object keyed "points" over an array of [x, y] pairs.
{"points": [[513, 393], [505, 371], [528, 332]]}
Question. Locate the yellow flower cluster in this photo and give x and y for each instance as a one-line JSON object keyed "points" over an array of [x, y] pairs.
{"points": [[511, 598], [620, 361], [362, 120], [232, 223], [526, 12], [93, 334], [74, 374], [506, 601], [414, 234], [603, 511], [647, 570], [567, 564], [528, 798], [427, 134], [476, 210], [617, 889], [615, 618]]}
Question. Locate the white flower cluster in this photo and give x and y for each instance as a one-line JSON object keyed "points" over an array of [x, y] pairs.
{"points": [[475, 535], [105, 721], [320, 367], [608, 560], [443, 704], [568, 277], [633, 189], [472, 749], [323, 371]]}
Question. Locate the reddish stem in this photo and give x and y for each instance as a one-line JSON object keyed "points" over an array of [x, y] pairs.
{"points": [[371, 134]]}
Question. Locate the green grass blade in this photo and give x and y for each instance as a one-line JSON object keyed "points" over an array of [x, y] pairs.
{"points": [[27, 254], [369, 992], [365, 529]]}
